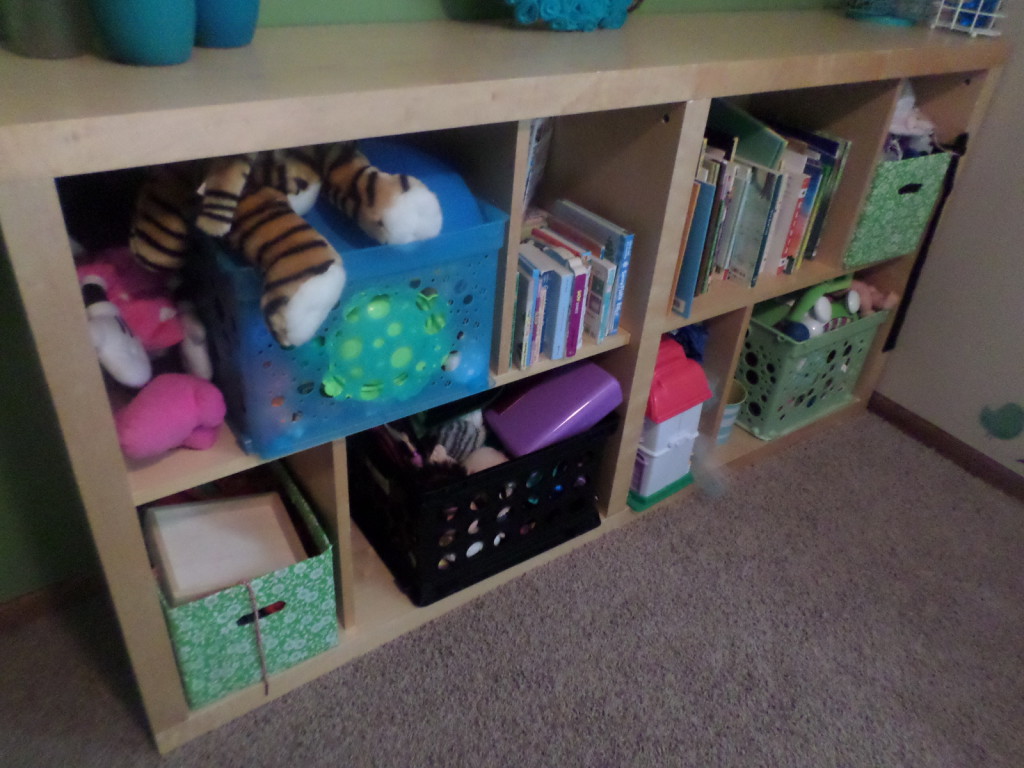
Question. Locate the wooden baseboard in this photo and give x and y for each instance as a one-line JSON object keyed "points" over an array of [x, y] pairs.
{"points": [[48, 599], [970, 459]]}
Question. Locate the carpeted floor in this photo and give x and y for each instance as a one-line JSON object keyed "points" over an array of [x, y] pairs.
{"points": [[855, 601]]}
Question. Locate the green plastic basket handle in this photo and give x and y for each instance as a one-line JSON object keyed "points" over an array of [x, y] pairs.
{"points": [[811, 295]]}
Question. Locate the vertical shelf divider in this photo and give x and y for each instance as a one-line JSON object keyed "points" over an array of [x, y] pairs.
{"points": [[323, 474], [726, 333], [35, 239]]}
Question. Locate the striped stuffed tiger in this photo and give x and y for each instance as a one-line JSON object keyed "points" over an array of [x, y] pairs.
{"points": [[257, 202]]}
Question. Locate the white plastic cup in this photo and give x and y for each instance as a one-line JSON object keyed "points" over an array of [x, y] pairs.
{"points": [[735, 397]]}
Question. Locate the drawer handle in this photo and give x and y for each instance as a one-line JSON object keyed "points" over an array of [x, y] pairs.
{"points": [[249, 618], [909, 189]]}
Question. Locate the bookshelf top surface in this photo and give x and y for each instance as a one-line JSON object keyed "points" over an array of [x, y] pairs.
{"points": [[307, 84]]}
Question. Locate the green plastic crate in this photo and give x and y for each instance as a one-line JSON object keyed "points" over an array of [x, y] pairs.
{"points": [[898, 208], [792, 383], [214, 637]]}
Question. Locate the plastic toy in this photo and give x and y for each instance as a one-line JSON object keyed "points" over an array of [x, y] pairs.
{"points": [[174, 410], [553, 406], [871, 299], [389, 346], [257, 202], [812, 313]]}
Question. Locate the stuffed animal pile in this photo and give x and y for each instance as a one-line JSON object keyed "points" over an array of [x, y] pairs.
{"points": [[147, 341], [257, 202], [138, 324]]}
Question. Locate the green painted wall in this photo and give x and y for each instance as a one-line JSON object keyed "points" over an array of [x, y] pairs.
{"points": [[43, 535]]}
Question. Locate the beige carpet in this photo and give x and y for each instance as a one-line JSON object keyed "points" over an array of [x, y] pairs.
{"points": [[855, 601]]}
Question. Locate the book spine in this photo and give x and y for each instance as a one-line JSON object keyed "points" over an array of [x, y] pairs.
{"points": [[556, 319], [619, 246], [625, 255], [592, 316], [524, 321], [794, 230], [577, 308], [607, 298], [539, 309]]}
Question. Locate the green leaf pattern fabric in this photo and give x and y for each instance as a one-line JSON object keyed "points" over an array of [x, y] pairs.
{"points": [[216, 655], [892, 223]]}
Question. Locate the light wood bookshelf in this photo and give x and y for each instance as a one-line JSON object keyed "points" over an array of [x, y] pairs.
{"points": [[630, 107]]}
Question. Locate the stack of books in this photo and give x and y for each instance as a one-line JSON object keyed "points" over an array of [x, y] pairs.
{"points": [[572, 271], [760, 198]]}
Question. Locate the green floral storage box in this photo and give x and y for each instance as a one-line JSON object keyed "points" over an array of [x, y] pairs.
{"points": [[238, 636], [898, 208]]}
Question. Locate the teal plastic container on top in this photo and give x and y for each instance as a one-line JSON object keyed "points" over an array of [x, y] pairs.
{"points": [[412, 329], [226, 23], [147, 32]]}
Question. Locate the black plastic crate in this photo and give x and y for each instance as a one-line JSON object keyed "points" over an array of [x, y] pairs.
{"points": [[439, 540]]}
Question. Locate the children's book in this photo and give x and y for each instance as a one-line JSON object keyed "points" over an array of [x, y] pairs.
{"points": [[600, 298], [618, 245], [756, 141], [801, 218], [740, 183], [558, 282], [687, 226], [754, 224], [578, 302], [539, 319], [541, 129], [792, 188], [833, 151], [719, 209], [693, 248], [603, 272], [528, 278]]}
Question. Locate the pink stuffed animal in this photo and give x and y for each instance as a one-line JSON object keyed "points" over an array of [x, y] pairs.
{"points": [[173, 410], [873, 299], [133, 317]]}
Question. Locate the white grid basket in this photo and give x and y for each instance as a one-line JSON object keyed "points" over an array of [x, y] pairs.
{"points": [[973, 17]]}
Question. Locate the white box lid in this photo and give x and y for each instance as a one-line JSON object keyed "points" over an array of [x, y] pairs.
{"points": [[203, 547]]}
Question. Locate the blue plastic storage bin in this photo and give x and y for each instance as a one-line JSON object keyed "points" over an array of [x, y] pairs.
{"points": [[412, 329]]}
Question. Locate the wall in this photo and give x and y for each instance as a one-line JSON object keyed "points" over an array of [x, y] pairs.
{"points": [[44, 535], [959, 359]]}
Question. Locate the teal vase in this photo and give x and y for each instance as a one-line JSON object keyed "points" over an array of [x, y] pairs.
{"points": [[226, 23], [148, 32]]}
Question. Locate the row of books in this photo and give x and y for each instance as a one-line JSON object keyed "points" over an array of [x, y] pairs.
{"points": [[572, 271], [759, 201]]}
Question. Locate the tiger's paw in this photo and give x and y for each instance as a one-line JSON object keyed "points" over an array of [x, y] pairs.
{"points": [[296, 320], [408, 211]]}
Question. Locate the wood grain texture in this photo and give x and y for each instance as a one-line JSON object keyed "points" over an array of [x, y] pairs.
{"points": [[87, 114]]}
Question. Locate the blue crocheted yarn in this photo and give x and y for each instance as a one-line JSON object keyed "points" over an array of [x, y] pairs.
{"points": [[572, 15]]}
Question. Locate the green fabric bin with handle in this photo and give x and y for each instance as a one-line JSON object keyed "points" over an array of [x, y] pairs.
{"points": [[215, 638], [897, 210]]}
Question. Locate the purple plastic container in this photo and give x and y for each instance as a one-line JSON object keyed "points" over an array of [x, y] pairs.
{"points": [[553, 406]]}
